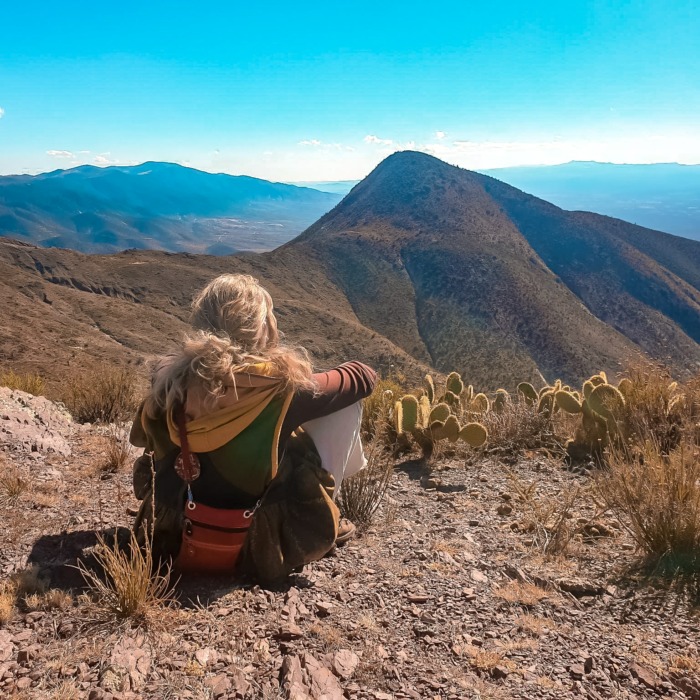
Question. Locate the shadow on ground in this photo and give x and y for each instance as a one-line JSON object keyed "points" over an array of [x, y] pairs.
{"points": [[57, 557]]}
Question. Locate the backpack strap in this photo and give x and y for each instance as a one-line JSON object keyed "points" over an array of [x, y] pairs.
{"points": [[186, 464]]}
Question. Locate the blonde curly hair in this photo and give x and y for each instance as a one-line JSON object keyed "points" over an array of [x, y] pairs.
{"points": [[234, 328]]}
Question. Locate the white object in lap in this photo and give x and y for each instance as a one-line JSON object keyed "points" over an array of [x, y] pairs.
{"points": [[337, 439]]}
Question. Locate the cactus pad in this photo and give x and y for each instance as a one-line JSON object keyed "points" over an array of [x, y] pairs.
{"points": [[409, 406], [440, 413], [568, 402], [474, 434], [430, 388], [480, 404], [606, 400], [527, 391], [454, 383]]}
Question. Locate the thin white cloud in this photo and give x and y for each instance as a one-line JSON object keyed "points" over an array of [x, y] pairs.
{"points": [[102, 159], [2, 112], [439, 135], [371, 138], [310, 142], [60, 154]]}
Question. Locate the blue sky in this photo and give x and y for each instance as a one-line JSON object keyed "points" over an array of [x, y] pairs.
{"points": [[324, 90]]}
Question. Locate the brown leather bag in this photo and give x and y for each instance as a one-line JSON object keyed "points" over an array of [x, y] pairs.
{"points": [[212, 538]]}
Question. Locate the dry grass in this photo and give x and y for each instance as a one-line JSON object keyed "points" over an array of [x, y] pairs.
{"points": [[107, 396], [656, 407], [67, 690], [328, 633], [17, 589], [7, 604], [527, 594], [685, 663], [656, 495], [549, 516], [533, 625], [26, 381], [132, 589], [519, 427], [118, 450], [53, 599], [377, 408], [12, 485], [484, 661], [361, 495]]}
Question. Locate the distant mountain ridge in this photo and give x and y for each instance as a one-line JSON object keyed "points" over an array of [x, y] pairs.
{"points": [[155, 205], [422, 265], [662, 196], [463, 271]]}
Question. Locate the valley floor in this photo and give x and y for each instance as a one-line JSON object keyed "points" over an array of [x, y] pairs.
{"points": [[445, 597]]}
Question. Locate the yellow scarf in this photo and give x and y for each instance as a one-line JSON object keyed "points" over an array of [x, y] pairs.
{"points": [[254, 388]]}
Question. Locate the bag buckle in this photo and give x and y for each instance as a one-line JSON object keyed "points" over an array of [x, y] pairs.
{"points": [[248, 514], [191, 505]]}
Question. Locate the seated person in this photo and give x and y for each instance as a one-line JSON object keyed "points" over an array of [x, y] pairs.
{"points": [[229, 481]]}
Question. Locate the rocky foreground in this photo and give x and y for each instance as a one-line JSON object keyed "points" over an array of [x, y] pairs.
{"points": [[447, 595]]}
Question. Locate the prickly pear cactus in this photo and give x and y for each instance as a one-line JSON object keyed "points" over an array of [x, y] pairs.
{"points": [[430, 390], [568, 402], [424, 410], [451, 399], [454, 384], [545, 404], [409, 414], [480, 404], [474, 434], [500, 401], [439, 413], [527, 391], [606, 400]]}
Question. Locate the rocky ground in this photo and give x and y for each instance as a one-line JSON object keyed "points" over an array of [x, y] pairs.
{"points": [[447, 595]]}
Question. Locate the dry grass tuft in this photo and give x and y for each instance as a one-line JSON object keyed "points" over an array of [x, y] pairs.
{"points": [[18, 587], [108, 396], [27, 382], [53, 599], [377, 408], [533, 625], [118, 450], [656, 407], [28, 582], [527, 594], [132, 588], [361, 495], [12, 485], [67, 690], [657, 496], [519, 427], [484, 661], [549, 517], [7, 603]]}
